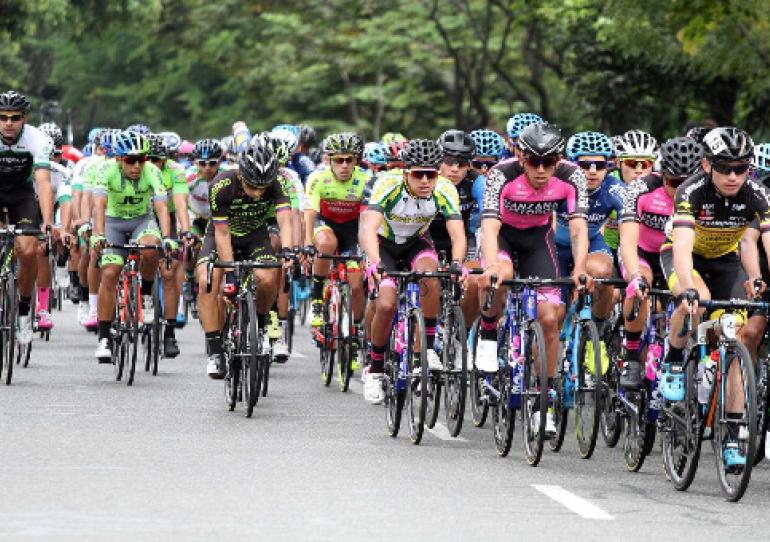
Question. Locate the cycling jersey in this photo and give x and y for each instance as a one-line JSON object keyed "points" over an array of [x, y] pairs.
{"points": [[611, 231], [468, 209], [607, 197], [407, 217], [648, 204], [198, 186], [232, 206], [84, 175], [293, 187], [719, 221], [60, 182], [335, 200], [31, 150], [128, 199], [302, 165], [174, 181], [509, 197]]}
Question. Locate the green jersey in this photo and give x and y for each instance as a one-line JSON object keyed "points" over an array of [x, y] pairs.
{"points": [[174, 181], [127, 199]]}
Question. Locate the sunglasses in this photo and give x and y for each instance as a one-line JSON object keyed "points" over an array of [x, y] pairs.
{"points": [[483, 164], [675, 181], [209, 163], [154, 159], [429, 174], [633, 163], [452, 161], [12, 118], [58, 153], [131, 160], [587, 164], [726, 169], [545, 161], [343, 159]]}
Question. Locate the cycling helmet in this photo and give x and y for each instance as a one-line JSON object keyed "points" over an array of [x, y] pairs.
{"points": [[13, 101], [139, 129], [457, 143], [316, 155], [258, 165], [728, 143], [93, 133], [422, 153], [488, 143], [520, 121], [374, 154], [130, 144], [542, 139], [172, 140], [294, 129], [343, 143], [589, 144], [106, 140], [54, 132], [277, 145], [157, 146], [761, 160], [680, 156], [88, 150], [697, 133], [208, 149], [393, 150], [287, 139], [228, 144], [635, 143], [393, 137], [307, 135]]}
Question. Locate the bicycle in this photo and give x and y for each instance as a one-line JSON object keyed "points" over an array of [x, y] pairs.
{"points": [[190, 285], [242, 338], [299, 300], [685, 424], [151, 333], [336, 335], [24, 351]]}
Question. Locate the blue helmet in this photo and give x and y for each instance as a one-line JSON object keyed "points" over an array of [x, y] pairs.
{"points": [[296, 130], [589, 144], [88, 150], [520, 121], [139, 129], [374, 154], [107, 141], [92, 133], [130, 144], [488, 143], [761, 161]]}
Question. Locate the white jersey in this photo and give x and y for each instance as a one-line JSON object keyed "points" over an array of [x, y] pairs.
{"points": [[60, 182], [198, 202], [32, 150]]}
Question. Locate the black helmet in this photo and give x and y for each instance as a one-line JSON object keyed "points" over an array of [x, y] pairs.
{"points": [[680, 156], [458, 144], [54, 132], [541, 139], [422, 153], [208, 149], [728, 143], [258, 165], [139, 129], [13, 101], [306, 134], [157, 146]]}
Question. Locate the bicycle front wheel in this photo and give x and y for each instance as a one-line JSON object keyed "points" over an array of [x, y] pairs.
{"points": [[131, 324], [417, 375], [249, 353], [328, 347], [454, 351], [479, 404], [8, 322], [588, 399], [393, 383], [735, 422], [535, 396], [610, 421], [344, 339]]}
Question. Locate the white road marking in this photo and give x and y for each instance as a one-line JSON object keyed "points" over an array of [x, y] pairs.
{"points": [[298, 354], [441, 431], [576, 504]]}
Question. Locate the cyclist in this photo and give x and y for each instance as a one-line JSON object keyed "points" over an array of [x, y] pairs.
{"points": [[374, 157], [331, 216], [53, 131], [392, 151], [299, 160], [519, 201], [393, 234], [513, 128], [648, 208], [24, 169], [490, 147], [175, 184], [207, 156], [243, 201], [592, 152], [699, 260], [122, 191]]}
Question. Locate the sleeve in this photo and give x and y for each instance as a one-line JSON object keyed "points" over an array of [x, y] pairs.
{"points": [[633, 193], [99, 178], [219, 199], [41, 147], [179, 185], [493, 187], [579, 207], [617, 192], [287, 183], [281, 198], [64, 192], [156, 184], [685, 206], [447, 200], [312, 192], [382, 193], [763, 208]]}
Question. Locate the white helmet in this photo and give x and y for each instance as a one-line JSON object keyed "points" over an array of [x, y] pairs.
{"points": [[635, 143]]}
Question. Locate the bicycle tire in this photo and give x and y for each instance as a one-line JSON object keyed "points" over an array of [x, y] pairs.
{"points": [[610, 420], [327, 351], [535, 354], [588, 402], [9, 308], [116, 331], [734, 491], [132, 329], [155, 328], [417, 376], [763, 412], [502, 409], [561, 414], [636, 431], [394, 397], [479, 405], [249, 339], [290, 330], [232, 362], [344, 340], [454, 348]]}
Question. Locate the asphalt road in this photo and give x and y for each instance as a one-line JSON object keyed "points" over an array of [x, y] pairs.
{"points": [[87, 458]]}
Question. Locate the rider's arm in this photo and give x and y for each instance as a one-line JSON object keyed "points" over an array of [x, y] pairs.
{"points": [[490, 229], [296, 228], [749, 252], [456, 231], [309, 217], [682, 242], [44, 194], [100, 206], [312, 205], [285, 219], [578, 234], [164, 218], [180, 192], [629, 242], [367, 234], [65, 208], [223, 241]]}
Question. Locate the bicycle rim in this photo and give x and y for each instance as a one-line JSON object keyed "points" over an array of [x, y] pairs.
{"points": [[479, 406], [328, 348], [455, 356], [763, 421], [588, 391], [344, 340], [156, 329], [561, 414], [417, 376], [534, 437], [132, 330], [9, 324], [610, 420], [394, 398]]}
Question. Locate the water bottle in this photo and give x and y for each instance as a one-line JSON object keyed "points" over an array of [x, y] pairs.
{"points": [[706, 372], [241, 135], [654, 355]]}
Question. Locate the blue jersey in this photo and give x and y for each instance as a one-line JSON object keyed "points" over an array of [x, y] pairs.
{"points": [[605, 199], [477, 191], [303, 165]]}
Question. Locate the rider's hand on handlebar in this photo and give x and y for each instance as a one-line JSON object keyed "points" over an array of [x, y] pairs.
{"points": [[96, 242], [754, 287], [637, 287], [586, 282]]}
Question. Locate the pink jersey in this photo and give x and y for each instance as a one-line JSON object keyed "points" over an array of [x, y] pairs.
{"points": [[648, 204], [509, 197]]}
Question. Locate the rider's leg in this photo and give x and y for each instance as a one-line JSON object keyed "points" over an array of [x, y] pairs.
{"points": [[430, 289], [631, 378], [325, 243], [601, 266], [25, 248]]}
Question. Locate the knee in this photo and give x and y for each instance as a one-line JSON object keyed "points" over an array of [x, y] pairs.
{"points": [[599, 266], [110, 274], [549, 320], [386, 304]]}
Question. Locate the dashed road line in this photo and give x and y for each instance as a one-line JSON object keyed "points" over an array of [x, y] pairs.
{"points": [[576, 504]]}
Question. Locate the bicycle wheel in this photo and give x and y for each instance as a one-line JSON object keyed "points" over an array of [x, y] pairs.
{"points": [[763, 420], [610, 421], [155, 328], [344, 339], [249, 352], [534, 394], [417, 375], [290, 330], [8, 323], [233, 374], [393, 384], [132, 329], [682, 431], [454, 351], [741, 431], [502, 408], [328, 348], [479, 404], [637, 428], [563, 387], [588, 397]]}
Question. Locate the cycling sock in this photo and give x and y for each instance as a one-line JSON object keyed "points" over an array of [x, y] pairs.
{"points": [[318, 287], [488, 328], [75, 279], [263, 319], [42, 298], [83, 291], [377, 356], [24, 304], [213, 342], [104, 329], [633, 343], [674, 354], [170, 327], [430, 331], [93, 301], [147, 286]]}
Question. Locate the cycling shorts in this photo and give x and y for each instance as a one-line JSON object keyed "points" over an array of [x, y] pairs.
{"points": [[596, 245], [23, 208], [345, 232], [121, 232], [255, 246], [199, 226], [395, 257], [724, 276], [533, 254], [444, 245], [650, 260]]}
